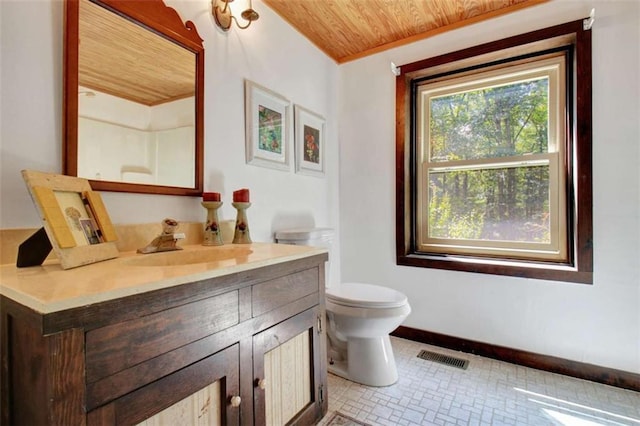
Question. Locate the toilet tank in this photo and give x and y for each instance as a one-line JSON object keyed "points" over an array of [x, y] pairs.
{"points": [[315, 237]]}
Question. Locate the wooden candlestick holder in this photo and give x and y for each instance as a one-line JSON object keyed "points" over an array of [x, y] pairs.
{"points": [[241, 234], [212, 234]]}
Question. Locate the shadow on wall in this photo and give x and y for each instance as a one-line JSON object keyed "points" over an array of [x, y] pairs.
{"points": [[291, 220]]}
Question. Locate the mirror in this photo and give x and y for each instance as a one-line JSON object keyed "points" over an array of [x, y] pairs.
{"points": [[133, 97]]}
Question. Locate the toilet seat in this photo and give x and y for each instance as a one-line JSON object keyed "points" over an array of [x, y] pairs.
{"points": [[360, 295]]}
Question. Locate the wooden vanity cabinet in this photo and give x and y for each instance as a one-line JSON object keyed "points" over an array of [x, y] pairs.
{"points": [[198, 347]]}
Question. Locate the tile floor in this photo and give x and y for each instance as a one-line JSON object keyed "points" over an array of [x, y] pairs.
{"points": [[488, 392]]}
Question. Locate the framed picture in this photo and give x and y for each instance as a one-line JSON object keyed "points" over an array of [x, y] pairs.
{"points": [[76, 215], [309, 142], [266, 127], [74, 218]]}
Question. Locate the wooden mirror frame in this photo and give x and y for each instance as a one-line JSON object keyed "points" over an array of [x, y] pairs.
{"points": [[162, 20]]}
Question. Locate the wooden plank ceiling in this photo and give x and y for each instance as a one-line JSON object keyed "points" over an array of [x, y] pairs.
{"points": [[121, 58], [351, 29]]}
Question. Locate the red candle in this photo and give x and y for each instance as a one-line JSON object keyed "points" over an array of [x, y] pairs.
{"points": [[210, 196], [241, 196]]}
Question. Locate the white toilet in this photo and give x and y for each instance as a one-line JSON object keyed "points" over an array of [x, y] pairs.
{"points": [[360, 318]]}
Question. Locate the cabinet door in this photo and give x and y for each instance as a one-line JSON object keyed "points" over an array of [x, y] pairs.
{"points": [[204, 393], [287, 362]]}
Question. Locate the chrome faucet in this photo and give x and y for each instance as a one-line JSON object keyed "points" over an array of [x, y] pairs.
{"points": [[166, 241]]}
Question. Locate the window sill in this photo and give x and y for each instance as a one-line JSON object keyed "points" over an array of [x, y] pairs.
{"points": [[543, 271]]}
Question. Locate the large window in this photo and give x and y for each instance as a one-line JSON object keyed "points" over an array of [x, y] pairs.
{"points": [[493, 155]]}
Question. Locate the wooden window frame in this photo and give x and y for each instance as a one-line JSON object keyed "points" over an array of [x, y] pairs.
{"points": [[552, 67], [578, 167]]}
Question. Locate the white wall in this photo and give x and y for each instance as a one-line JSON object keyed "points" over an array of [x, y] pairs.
{"points": [[270, 53], [597, 324]]}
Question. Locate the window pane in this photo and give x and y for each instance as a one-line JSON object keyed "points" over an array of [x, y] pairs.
{"points": [[505, 204], [496, 121]]}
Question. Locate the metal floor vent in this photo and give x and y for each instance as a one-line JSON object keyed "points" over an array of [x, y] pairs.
{"points": [[444, 359]]}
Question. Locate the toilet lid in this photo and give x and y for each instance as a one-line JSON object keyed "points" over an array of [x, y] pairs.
{"points": [[360, 295]]}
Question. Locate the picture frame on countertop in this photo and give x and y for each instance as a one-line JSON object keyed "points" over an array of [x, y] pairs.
{"points": [[310, 148], [75, 222], [266, 128]]}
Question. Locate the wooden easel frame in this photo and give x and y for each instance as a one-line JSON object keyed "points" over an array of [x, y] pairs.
{"points": [[72, 251]]}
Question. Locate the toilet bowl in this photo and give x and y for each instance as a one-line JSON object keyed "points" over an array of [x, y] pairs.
{"points": [[360, 317]]}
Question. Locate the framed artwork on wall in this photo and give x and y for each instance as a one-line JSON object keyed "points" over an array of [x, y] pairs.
{"points": [[267, 127], [309, 142]]}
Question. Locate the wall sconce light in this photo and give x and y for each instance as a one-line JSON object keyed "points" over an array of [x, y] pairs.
{"points": [[223, 16]]}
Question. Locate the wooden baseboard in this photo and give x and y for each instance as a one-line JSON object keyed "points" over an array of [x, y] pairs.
{"points": [[594, 373]]}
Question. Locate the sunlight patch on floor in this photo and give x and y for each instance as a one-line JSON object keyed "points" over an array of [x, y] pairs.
{"points": [[578, 414]]}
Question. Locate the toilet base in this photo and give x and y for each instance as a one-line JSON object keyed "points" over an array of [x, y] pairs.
{"points": [[339, 368], [370, 362]]}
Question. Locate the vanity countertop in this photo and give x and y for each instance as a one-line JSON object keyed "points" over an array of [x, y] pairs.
{"points": [[49, 288]]}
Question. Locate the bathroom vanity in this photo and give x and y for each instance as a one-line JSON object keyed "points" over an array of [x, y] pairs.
{"points": [[208, 335]]}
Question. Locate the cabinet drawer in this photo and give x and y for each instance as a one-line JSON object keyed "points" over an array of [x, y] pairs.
{"points": [[278, 292], [118, 346]]}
